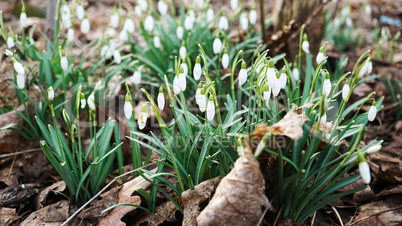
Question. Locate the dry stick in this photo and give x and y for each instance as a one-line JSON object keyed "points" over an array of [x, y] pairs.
{"points": [[103, 189], [313, 219], [337, 215], [375, 214], [19, 152], [277, 216], [263, 215]]}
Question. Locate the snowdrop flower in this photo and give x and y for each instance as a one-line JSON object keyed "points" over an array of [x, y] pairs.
{"points": [[197, 68], [283, 78], [182, 79], [21, 81], [18, 67], [223, 23], [243, 21], [64, 63], [305, 44], [367, 9], [183, 52], [366, 68], [162, 7], [326, 88], [372, 112], [188, 22], [217, 45], [253, 16], [234, 4], [80, 12], [50, 93], [200, 98], [114, 19], [225, 59], [161, 99], [271, 74], [149, 23], [83, 101], [191, 13], [23, 16], [8, 52], [179, 32], [138, 10], [128, 106], [85, 26], [267, 92], [10, 42], [157, 41], [199, 3], [242, 74], [374, 149], [349, 22], [185, 68], [117, 56], [143, 5], [345, 90], [210, 14], [277, 85], [136, 78], [129, 25], [123, 36], [70, 35], [65, 16], [210, 108], [142, 119], [323, 118], [320, 56], [295, 73], [364, 168], [91, 102]]}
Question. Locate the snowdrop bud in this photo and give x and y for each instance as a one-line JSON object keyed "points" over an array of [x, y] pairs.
{"points": [[183, 52], [142, 119], [21, 81], [243, 21], [367, 9], [66, 117], [23, 18], [200, 3], [18, 67], [8, 52], [185, 68], [242, 74], [364, 168], [201, 98], [305, 44], [179, 32], [326, 85], [129, 25], [10, 42], [83, 101], [188, 22], [143, 5], [234, 4], [210, 14], [136, 77], [64, 63], [123, 36], [161, 99], [162, 7], [85, 26], [320, 56], [182, 79], [374, 149], [117, 57], [295, 73], [372, 112], [70, 35], [128, 106], [283, 78], [191, 13], [157, 41], [80, 12], [323, 118], [345, 90], [223, 23], [149, 23], [114, 19], [271, 74], [225, 59], [210, 108], [267, 92], [138, 10], [217, 45], [91, 102], [176, 84], [65, 16], [277, 84], [197, 68], [253, 16], [50, 94]]}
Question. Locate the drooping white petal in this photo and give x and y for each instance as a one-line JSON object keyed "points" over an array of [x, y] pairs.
{"points": [[179, 32], [197, 71], [202, 102], [83, 103], [283, 79], [372, 113], [267, 94], [188, 22], [242, 76], [19, 68], [295, 73], [234, 4], [199, 3], [210, 110], [117, 57], [320, 57], [85, 26], [253, 16], [114, 20], [64, 63], [225, 60], [162, 8], [183, 52], [137, 77], [217, 45], [327, 87], [210, 15], [23, 19], [10, 42], [123, 36], [306, 46], [142, 120], [243, 21], [277, 87], [128, 109], [138, 10], [129, 25], [182, 82], [21, 81], [176, 84], [80, 12], [185, 68], [149, 23], [223, 23], [161, 101], [364, 169], [50, 93], [157, 41], [345, 91], [373, 149], [271, 75], [91, 102], [143, 4], [70, 35]]}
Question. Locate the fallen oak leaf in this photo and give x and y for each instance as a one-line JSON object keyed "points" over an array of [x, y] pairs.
{"points": [[162, 213]]}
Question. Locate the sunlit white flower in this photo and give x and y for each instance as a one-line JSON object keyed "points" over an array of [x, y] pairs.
{"points": [[323, 118], [65, 16], [364, 168], [50, 93], [320, 56], [253, 16], [117, 57], [283, 78], [201, 99], [91, 102], [305, 44], [242, 74], [217, 45], [85, 26], [123, 35], [225, 60], [200, 3], [128, 109], [191, 13], [23, 19], [161, 99], [210, 108], [8, 52], [21, 81], [136, 78], [345, 90], [295, 73], [188, 22], [83, 103], [80, 12], [197, 71], [143, 4], [349, 22], [271, 74], [223, 23], [182, 79], [19, 68], [138, 10], [70, 35], [176, 85], [267, 92], [276, 88], [183, 52], [326, 87], [366, 68], [64, 63], [243, 21], [142, 119], [114, 20], [179, 32], [10, 42], [157, 41], [129, 25], [374, 149], [210, 15], [185, 68], [234, 4], [162, 7], [367, 9], [372, 112], [149, 23]]}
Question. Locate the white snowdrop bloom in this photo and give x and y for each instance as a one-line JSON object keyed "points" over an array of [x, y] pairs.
{"points": [[176, 86], [198, 94], [188, 22], [243, 21], [267, 92], [234, 4], [179, 32], [183, 52], [201, 100], [295, 73], [123, 36], [336, 22], [114, 20], [129, 25], [10, 42], [372, 112], [104, 50], [210, 109], [345, 90], [149, 23], [50, 93], [157, 41], [320, 56], [162, 7], [306, 46], [323, 118], [185, 68], [217, 45], [117, 56], [128, 109], [197, 71], [199, 3], [64, 63], [21, 81], [143, 4], [23, 19], [326, 87], [242, 74], [142, 120], [8, 52], [349, 22], [83, 103], [366, 68], [138, 10], [364, 169], [191, 13], [19, 68], [91, 102], [283, 78], [70, 35], [223, 23], [225, 60], [271, 74], [253, 16], [65, 16], [277, 86], [182, 80], [367, 9], [80, 12], [136, 78], [161, 99], [374, 149], [210, 15], [85, 26]]}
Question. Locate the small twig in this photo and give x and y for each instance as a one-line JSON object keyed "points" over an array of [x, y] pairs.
{"points": [[19, 152], [277, 216], [263, 215], [103, 189], [313, 219], [337, 215], [375, 214]]}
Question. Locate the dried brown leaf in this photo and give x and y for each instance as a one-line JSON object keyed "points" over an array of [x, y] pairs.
{"points": [[54, 214], [41, 199], [162, 213], [8, 216]]}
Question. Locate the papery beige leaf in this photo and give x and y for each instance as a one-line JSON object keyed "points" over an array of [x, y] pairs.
{"points": [[162, 213]]}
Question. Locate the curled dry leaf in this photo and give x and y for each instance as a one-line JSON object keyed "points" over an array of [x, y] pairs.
{"points": [[41, 199], [8, 216], [239, 196], [54, 214], [162, 213]]}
